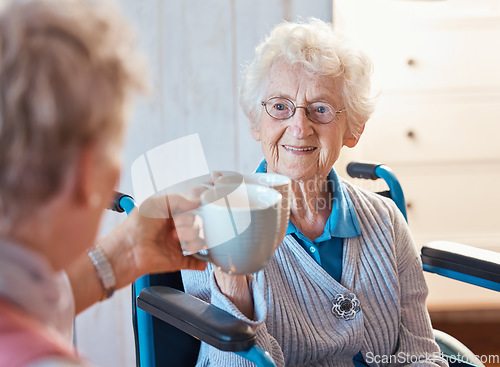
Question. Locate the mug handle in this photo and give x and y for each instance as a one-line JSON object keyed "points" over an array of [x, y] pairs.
{"points": [[203, 257]]}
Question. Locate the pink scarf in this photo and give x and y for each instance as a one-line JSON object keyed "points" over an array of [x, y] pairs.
{"points": [[36, 307]]}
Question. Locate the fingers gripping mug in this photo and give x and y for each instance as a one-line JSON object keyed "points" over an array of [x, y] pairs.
{"points": [[242, 224]]}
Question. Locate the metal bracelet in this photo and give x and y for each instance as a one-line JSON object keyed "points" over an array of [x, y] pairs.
{"points": [[104, 270]]}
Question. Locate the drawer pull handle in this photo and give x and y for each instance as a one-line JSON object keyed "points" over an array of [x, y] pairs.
{"points": [[410, 134], [411, 62]]}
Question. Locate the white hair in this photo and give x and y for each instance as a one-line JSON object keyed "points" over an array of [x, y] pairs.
{"points": [[320, 50]]}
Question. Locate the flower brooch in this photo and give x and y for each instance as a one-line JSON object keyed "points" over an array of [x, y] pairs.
{"points": [[345, 306]]}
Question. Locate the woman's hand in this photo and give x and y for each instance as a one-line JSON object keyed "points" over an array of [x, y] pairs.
{"points": [[141, 245], [144, 244]]}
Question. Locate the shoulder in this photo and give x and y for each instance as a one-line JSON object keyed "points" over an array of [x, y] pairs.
{"points": [[365, 201], [377, 213]]}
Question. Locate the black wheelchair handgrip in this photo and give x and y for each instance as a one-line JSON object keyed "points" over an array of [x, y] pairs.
{"points": [[115, 203], [363, 170]]}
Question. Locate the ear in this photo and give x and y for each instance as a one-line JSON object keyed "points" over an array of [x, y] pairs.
{"points": [[256, 133], [350, 140], [255, 128], [85, 176]]}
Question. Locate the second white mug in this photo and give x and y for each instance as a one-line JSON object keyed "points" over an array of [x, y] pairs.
{"points": [[242, 225]]}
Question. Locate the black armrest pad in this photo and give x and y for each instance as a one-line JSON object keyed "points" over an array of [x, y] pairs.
{"points": [[464, 259], [197, 318]]}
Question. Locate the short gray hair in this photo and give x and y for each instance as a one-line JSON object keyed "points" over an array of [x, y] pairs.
{"points": [[321, 50], [67, 68]]}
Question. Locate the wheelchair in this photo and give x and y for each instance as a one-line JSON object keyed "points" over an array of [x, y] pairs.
{"points": [[165, 319]]}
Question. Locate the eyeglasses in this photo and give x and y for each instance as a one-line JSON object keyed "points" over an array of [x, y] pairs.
{"points": [[282, 108]]}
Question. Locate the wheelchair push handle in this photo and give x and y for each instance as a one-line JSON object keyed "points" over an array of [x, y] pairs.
{"points": [[373, 171], [122, 203], [364, 170]]}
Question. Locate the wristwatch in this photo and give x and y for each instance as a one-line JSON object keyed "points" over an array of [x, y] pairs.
{"points": [[104, 270]]}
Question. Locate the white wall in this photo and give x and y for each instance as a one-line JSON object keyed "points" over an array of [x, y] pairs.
{"points": [[195, 50]]}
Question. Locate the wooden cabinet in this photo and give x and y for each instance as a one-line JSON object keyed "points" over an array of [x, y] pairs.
{"points": [[415, 128], [437, 120]]}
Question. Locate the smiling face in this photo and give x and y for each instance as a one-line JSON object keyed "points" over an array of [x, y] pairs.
{"points": [[297, 147]]}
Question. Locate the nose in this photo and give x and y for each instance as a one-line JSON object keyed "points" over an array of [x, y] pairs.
{"points": [[300, 125]]}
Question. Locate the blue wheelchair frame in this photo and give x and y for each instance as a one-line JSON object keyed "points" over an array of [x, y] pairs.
{"points": [[199, 319]]}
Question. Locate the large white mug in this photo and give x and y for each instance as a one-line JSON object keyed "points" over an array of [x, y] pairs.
{"points": [[241, 226], [275, 181]]}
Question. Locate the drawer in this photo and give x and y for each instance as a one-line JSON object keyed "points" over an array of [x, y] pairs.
{"points": [[438, 59], [453, 202], [430, 128], [426, 45]]}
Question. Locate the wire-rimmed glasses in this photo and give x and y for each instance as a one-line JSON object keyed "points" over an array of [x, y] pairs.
{"points": [[282, 108]]}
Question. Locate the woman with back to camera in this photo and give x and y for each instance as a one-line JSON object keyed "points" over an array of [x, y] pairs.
{"points": [[346, 284], [67, 71]]}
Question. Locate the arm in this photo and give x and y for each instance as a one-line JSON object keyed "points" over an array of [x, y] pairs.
{"points": [[415, 330], [204, 286], [138, 246], [236, 289]]}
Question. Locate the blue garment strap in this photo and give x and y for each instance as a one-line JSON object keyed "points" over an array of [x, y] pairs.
{"points": [[258, 356]]}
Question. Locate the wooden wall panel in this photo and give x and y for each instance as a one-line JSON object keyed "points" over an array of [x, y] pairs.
{"points": [[196, 79]]}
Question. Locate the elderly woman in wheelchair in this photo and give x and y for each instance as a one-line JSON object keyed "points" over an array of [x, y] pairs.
{"points": [[346, 284]]}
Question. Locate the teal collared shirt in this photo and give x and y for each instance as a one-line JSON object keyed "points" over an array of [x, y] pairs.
{"points": [[327, 249], [342, 223]]}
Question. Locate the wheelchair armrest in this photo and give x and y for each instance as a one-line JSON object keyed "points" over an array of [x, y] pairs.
{"points": [[197, 318], [463, 262]]}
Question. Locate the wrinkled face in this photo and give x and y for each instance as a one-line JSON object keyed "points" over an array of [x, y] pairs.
{"points": [[297, 147]]}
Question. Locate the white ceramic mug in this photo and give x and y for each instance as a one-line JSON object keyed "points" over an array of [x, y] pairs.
{"points": [[242, 226], [275, 181]]}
